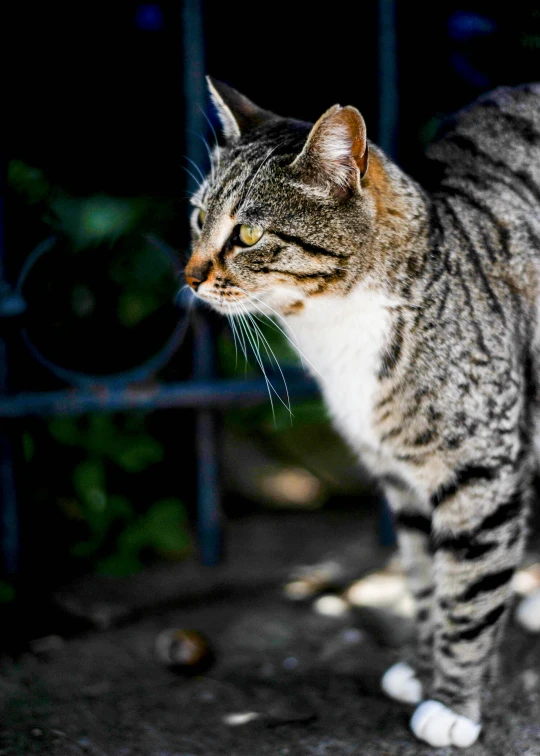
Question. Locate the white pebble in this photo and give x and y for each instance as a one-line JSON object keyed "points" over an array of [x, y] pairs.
{"points": [[331, 606], [240, 718], [378, 589]]}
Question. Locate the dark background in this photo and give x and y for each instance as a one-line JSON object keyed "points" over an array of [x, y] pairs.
{"points": [[93, 121], [94, 91]]}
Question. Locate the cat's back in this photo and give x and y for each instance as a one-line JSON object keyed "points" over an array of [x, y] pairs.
{"points": [[493, 143]]}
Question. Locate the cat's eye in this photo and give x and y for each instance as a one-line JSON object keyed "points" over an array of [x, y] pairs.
{"points": [[201, 217], [249, 235]]}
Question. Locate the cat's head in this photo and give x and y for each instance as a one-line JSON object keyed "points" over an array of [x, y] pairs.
{"points": [[288, 210]]}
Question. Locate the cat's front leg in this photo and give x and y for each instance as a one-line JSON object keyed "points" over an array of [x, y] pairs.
{"points": [[478, 532], [402, 681]]}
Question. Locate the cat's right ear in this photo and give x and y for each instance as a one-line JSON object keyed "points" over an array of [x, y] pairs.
{"points": [[237, 114], [336, 151]]}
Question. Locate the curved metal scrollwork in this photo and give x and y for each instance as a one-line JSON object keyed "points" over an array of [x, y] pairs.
{"points": [[38, 314]]}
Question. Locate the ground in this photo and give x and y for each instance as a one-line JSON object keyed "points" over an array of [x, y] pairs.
{"points": [[311, 680]]}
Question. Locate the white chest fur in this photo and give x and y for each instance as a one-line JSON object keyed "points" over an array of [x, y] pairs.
{"points": [[343, 339]]}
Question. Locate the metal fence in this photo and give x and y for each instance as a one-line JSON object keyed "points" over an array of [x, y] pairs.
{"points": [[203, 392]]}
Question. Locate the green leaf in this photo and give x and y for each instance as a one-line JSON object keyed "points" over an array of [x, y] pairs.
{"points": [[137, 453], [7, 592], [119, 565], [89, 484], [136, 306], [28, 447], [28, 180], [65, 430], [168, 526]]}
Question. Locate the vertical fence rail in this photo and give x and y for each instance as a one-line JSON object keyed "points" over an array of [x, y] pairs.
{"points": [[206, 446], [194, 86], [387, 138], [388, 77], [206, 441], [9, 512]]}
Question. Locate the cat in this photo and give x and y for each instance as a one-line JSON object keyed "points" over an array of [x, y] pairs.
{"points": [[417, 313]]}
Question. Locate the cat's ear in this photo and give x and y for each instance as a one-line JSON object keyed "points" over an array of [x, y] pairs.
{"points": [[336, 151], [236, 113]]}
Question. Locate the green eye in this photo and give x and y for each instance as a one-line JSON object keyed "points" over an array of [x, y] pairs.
{"points": [[201, 217], [249, 235]]}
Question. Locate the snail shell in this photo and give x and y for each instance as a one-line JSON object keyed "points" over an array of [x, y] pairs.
{"points": [[182, 650]]}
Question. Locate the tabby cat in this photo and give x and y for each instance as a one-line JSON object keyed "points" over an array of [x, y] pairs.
{"points": [[418, 314]]}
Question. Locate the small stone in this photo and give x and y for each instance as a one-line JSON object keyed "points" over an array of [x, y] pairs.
{"points": [[240, 718], [380, 589], [184, 651], [352, 635], [331, 606], [36, 732], [530, 679], [290, 663], [307, 581]]}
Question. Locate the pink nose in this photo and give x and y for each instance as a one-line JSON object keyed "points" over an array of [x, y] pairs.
{"points": [[193, 282]]}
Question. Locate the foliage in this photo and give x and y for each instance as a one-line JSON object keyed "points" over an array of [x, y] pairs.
{"points": [[121, 531]]}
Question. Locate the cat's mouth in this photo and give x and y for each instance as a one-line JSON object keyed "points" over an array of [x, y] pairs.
{"points": [[268, 302], [227, 305]]}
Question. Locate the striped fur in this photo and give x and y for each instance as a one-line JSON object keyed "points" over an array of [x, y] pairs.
{"points": [[418, 309]]}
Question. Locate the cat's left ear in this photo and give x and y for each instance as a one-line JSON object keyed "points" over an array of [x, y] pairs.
{"points": [[236, 113], [336, 151]]}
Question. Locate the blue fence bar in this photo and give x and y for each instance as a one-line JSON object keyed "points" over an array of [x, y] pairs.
{"points": [[9, 512], [209, 519], [388, 77], [201, 394], [387, 139]]}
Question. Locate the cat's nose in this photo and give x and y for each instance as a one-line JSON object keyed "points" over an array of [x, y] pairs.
{"points": [[193, 282], [197, 271]]}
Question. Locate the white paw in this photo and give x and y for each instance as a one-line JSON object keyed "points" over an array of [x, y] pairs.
{"points": [[528, 613], [437, 725], [400, 682]]}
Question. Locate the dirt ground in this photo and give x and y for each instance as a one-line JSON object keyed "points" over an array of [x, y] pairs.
{"points": [[310, 682]]}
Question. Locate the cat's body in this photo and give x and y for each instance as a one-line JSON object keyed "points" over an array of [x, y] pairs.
{"points": [[417, 313]]}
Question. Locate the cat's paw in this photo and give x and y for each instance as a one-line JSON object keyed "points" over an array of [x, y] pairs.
{"points": [[528, 613], [437, 725], [400, 683]]}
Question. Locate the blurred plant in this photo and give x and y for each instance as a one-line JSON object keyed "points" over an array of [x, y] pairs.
{"points": [[28, 181], [7, 592], [87, 220], [119, 535]]}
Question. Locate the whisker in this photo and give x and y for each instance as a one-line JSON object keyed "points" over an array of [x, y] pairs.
{"points": [[213, 132], [271, 355], [194, 164], [244, 347], [265, 160], [195, 179], [233, 331], [251, 297], [257, 341], [269, 386], [210, 158], [209, 122]]}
